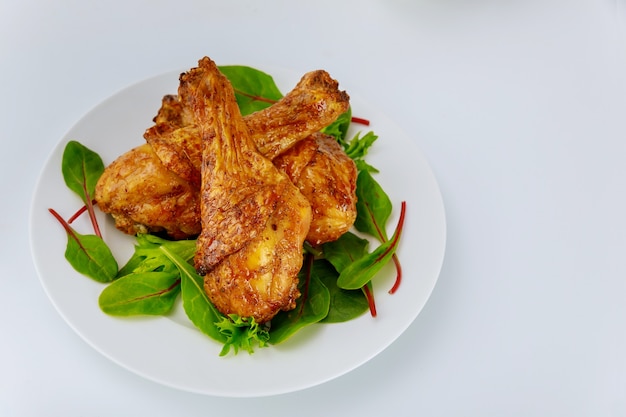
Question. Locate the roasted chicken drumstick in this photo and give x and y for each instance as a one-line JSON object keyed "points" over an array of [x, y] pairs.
{"points": [[326, 176], [145, 197], [254, 220]]}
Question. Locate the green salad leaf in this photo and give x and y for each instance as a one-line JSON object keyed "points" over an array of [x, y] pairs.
{"points": [[345, 251], [149, 257], [373, 207], [358, 147], [88, 254], [241, 333], [344, 305], [196, 303], [311, 307], [361, 271], [141, 293], [339, 128], [81, 168], [149, 282], [254, 89]]}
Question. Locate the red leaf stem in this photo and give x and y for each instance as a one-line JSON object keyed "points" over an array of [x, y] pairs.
{"points": [[394, 243], [158, 293], [90, 210], [257, 98], [360, 121], [77, 214], [395, 258], [370, 300], [68, 229], [396, 284]]}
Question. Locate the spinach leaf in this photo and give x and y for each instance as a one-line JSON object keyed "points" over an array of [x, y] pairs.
{"points": [[254, 89], [344, 305], [359, 273], [373, 207], [149, 282], [311, 307], [231, 331], [88, 254], [81, 169], [196, 303], [345, 250], [373, 210], [149, 293]]}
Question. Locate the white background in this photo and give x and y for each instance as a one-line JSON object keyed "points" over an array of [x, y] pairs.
{"points": [[520, 108]]}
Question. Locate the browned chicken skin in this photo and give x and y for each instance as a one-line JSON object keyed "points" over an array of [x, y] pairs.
{"points": [[127, 189], [326, 176], [314, 103], [254, 220]]}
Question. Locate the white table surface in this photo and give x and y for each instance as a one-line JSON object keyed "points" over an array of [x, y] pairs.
{"points": [[520, 108]]}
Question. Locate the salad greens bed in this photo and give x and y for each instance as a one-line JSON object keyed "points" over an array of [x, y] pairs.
{"points": [[335, 280]]}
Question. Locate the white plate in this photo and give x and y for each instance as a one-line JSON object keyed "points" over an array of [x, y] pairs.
{"points": [[169, 350]]}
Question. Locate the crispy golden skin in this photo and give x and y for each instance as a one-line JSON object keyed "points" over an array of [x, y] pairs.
{"points": [[326, 176], [129, 191], [314, 103], [254, 220]]}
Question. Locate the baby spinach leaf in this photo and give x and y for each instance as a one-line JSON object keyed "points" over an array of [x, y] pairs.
{"points": [[344, 305], [241, 333], [88, 254], [373, 210], [196, 303], [81, 169], [373, 207], [345, 250], [146, 293], [254, 89], [311, 307], [342, 253], [359, 273]]}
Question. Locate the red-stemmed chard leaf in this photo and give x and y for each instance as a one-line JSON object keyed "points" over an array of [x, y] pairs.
{"points": [[359, 273], [81, 169], [88, 254], [373, 210], [369, 295], [144, 293], [360, 120], [342, 253], [254, 89]]}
